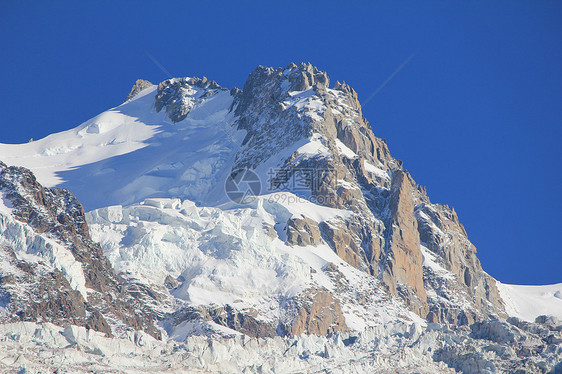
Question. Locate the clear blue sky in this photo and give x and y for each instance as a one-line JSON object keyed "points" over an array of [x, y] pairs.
{"points": [[475, 115]]}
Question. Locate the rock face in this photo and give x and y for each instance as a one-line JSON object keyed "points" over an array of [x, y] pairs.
{"points": [[404, 262], [303, 231], [315, 311], [245, 321], [392, 216], [179, 96], [68, 280], [139, 86], [37, 292]]}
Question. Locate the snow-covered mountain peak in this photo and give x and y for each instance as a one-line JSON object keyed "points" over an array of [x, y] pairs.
{"points": [[332, 237], [187, 136]]}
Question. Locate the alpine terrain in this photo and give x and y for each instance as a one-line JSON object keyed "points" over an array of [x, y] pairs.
{"points": [[195, 228]]}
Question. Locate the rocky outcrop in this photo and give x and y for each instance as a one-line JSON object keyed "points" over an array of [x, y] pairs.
{"points": [[246, 321], [347, 247], [403, 262], [179, 96], [315, 311], [37, 292], [57, 227], [303, 232], [139, 86], [384, 235], [442, 233]]}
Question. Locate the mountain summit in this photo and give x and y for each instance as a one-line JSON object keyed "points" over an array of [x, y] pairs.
{"points": [[268, 211]]}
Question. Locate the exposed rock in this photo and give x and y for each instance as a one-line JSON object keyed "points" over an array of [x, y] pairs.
{"points": [[338, 237], [179, 96], [303, 232], [315, 311], [37, 292], [171, 282], [139, 86], [384, 234], [245, 321], [404, 258], [57, 214], [440, 230]]}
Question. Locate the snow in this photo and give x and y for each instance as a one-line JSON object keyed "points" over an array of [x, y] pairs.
{"points": [[385, 348], [345, 150], [529, 302], [429, 261], [34, 247], [314, 148], [298, 207], [130, 153], [375, 170], [112, 133], [5, 205], [221, 255], [306, 102]]}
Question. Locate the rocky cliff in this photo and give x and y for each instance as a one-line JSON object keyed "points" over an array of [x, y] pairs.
{"points": [[51, 269]]}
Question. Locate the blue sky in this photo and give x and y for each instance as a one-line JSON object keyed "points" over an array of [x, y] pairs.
{"points": [[475, 114]]}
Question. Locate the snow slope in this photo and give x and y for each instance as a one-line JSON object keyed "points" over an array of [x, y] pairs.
{"points": [[132, 152], [529, 302], [224, 256]]}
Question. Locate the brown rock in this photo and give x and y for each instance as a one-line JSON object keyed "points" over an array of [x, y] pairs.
{"points": [[341, 241], [404, 264], [316, 311], [138, 87], [303, 232]]}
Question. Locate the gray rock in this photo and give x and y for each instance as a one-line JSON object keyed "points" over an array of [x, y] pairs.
{"points": [[139, 86]]}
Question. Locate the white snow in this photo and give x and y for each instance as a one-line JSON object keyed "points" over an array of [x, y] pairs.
{"points": [[314, 148], [386, 348], [429, 260], [33, 247], [529, 302], [223, 256], [306, 102], [375, 170], [345, 150], [130, 153]]}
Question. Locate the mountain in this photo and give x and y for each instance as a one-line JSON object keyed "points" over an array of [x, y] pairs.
{"points": [[268, 212]]}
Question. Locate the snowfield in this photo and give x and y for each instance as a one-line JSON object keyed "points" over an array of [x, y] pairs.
{"points": [[226, 257], [529, 302]]}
